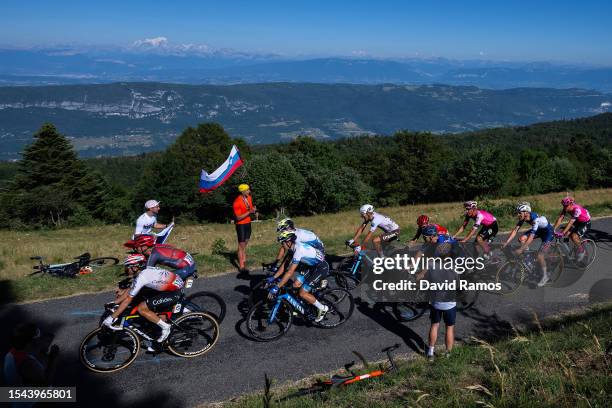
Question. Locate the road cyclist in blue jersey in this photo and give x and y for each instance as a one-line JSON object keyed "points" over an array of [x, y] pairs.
{"points": [[303, 236], [539, 228], [308, 268]]}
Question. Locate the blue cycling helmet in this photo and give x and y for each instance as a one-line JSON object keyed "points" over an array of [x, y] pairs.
{"points": [[430, 231]]}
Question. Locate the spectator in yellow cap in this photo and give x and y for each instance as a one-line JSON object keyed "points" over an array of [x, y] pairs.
{"points": [[243, 209]]}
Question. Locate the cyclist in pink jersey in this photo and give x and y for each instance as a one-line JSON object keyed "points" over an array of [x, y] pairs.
{"points": [[578, 225], [483, 220]]}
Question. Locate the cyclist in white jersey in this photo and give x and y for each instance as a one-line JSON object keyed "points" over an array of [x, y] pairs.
{"points": [[389, 227], [312, 269], [166, 289], [304, 236]]}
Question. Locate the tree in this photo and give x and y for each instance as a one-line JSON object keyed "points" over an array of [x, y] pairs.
{"points": [[52, 184]]}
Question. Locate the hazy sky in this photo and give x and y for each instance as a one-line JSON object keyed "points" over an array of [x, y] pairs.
{"points": [[573, 31]]}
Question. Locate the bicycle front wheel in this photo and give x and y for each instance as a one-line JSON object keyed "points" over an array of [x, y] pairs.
{"points": [[105, 350], [267, 321], [193, 334], [207, 302], [509, 276], [102, 262]]}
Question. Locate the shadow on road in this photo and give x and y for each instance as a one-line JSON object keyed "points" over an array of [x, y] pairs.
{"points": [[380, 315], [93, 390]]}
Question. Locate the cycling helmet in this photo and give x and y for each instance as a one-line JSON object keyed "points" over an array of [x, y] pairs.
{"points": [[366, 208], [567, 201], [523, 207], [287, 235], [285, 223], [422, 220], [430, 231], [135, 260], [470, 204], [145, 240]]}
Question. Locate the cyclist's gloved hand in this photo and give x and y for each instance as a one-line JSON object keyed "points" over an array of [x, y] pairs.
{"points": [[273, 291], [358, 249], [109, 321], [270, 280], [558, 234]]}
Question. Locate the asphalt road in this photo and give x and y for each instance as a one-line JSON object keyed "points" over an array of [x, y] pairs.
{"points": [[237, 365]]}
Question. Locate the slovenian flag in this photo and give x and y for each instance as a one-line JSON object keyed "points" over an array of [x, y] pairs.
{"points": [[209, 182]]}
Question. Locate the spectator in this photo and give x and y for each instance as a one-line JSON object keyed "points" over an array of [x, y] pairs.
{"points": [[148, 220], [443, 305], [243, 209], [32, 359]]}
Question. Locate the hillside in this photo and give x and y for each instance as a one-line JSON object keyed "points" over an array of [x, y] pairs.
{"points": [[129, 118]]}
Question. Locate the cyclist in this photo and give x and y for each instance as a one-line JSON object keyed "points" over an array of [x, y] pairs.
{"points": [[577, 226], [422, 222], [303, 235], [161, 254], [483, 220], [540, 228], [164, 291], [312, 269], [390, 229]]}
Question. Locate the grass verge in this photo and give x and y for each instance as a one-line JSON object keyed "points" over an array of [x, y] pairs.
{"points": [[215, 243], [562, 362]]}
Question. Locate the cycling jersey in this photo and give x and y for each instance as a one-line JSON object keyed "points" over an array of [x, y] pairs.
{"points": [[158, 279], [540, 228], [482, 217], [175, 258], [579, 213], [145, 224], [309, 238], [306, 255], [439, 228], [383, 222]]}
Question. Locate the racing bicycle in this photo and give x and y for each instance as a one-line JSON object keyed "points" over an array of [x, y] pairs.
{"points": [[570, 253], [83, 265], [269, 320], [105, 350], [516, 269]]}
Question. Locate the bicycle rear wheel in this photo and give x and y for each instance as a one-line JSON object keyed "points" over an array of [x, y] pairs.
{"points": [[193, 334], [207, 302], [341, 305], [102, 262], [105, 351], [554, 263], [510, 276], [590, 249]]}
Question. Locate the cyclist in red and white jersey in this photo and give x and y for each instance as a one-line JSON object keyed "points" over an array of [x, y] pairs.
{"points": [[483, 220], [161, 254], [163, 289], [422, 222], [578, 225]]}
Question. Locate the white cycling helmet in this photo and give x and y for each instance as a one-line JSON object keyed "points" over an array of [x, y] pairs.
{"points": [[470, 204], [366, 208], [523, 207]]}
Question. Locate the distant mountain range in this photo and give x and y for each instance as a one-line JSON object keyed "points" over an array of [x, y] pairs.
{"points": [[129, 118], [158, 60]]}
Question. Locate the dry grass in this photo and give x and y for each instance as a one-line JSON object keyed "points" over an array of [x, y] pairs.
{"points": [[61, 245]]}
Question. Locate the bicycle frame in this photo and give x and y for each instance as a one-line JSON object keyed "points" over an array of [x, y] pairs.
{"points": [[297, 305]]}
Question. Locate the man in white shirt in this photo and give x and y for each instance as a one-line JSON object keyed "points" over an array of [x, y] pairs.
{"points": [[147, 221]]}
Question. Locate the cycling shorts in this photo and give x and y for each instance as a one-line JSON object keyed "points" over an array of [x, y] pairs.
{"points": [[244, 232], [547, 235], [390, 236], [488, 232], [186, 272], [163, 301], [312, 277], [581, 228], [449, 316]]}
